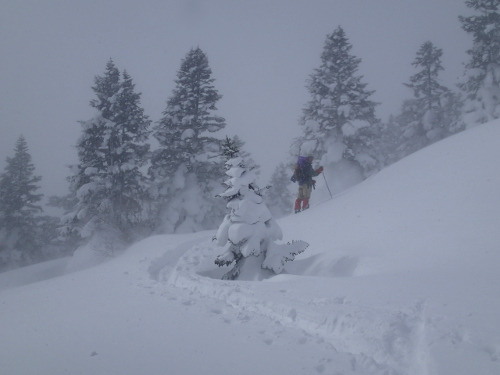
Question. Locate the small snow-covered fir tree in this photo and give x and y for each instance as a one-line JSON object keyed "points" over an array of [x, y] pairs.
{"points": [[19, 209], [482, 77], [433, 112], [235, 144], [108, 183], [339, 108], [186, 168], [279, 199], [248, 231]]}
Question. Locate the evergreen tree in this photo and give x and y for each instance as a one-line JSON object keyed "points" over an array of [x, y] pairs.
{"points": [[388, 141], [339, 108], [425, 83], [248, 231], [279, 199], [233, 145], [129, 152], [185, 169], [108, 183], [482, 78], [65, 235], [432, 114], [52, 244], [230, 148], [19, 209], [452, 104]]}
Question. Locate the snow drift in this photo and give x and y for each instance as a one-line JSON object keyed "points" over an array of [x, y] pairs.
{"points": [[401, 277]]}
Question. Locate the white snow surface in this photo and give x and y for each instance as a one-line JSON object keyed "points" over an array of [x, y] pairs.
{"points": [[401, 277]]}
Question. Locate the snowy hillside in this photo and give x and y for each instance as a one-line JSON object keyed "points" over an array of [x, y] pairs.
{"points": [[401, 277]]}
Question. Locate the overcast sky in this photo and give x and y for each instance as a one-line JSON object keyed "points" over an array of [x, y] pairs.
{"points": [[261, 53]]}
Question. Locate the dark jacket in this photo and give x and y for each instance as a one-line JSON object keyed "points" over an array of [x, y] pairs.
{"points": [[304, 172]]}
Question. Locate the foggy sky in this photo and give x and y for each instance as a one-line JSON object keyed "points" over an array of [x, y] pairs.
{"points": [[261, 53]]}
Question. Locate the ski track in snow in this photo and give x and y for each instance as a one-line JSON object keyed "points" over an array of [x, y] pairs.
{"points": [[378, 340]]}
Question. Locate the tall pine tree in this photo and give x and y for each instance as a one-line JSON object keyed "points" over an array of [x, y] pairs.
{"points": [[108, 183], [186, 168], [432, 114], [482, 77], [339, 108], [19, 209]]}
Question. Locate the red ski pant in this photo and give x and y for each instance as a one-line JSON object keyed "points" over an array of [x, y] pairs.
{"points": [[303, 197]]}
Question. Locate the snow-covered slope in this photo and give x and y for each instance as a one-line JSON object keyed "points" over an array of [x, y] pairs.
{"points": [[401, 277]]}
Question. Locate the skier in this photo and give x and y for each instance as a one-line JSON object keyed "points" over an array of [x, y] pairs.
{"points": [[303, 174]]}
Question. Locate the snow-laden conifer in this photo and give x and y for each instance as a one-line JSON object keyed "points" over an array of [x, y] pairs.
{"points": [[339, 108], [186, 167], [235, 144], [19, 209], [433, 112], [481, 83], [248, 233], [108, 183]]}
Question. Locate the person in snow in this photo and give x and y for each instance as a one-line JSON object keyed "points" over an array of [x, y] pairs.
{"points": [[303, 175]]}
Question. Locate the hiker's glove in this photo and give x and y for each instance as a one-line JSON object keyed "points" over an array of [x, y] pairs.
{"points": [[293, 179], [319, 170]]}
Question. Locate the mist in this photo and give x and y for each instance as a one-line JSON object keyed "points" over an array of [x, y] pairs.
{"points": [[261, 54]]}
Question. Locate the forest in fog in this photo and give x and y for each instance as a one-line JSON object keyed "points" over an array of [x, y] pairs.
{"points": [[136, 175]]}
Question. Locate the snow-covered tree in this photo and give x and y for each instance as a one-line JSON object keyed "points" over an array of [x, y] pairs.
{"points": [[229, 145], [425, 84], [387, 141], [339, 108], [19, 209], [108, 183], [229, 148], [129, 152], [278, 198], [235, 146], [482, 77], [433, 112], [248, 231], [186, 168]]}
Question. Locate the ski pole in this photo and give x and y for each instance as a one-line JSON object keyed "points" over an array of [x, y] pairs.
{"points": [[331, 196]]}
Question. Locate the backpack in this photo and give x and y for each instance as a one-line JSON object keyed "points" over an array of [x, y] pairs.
{"points": [[299, 173]]}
